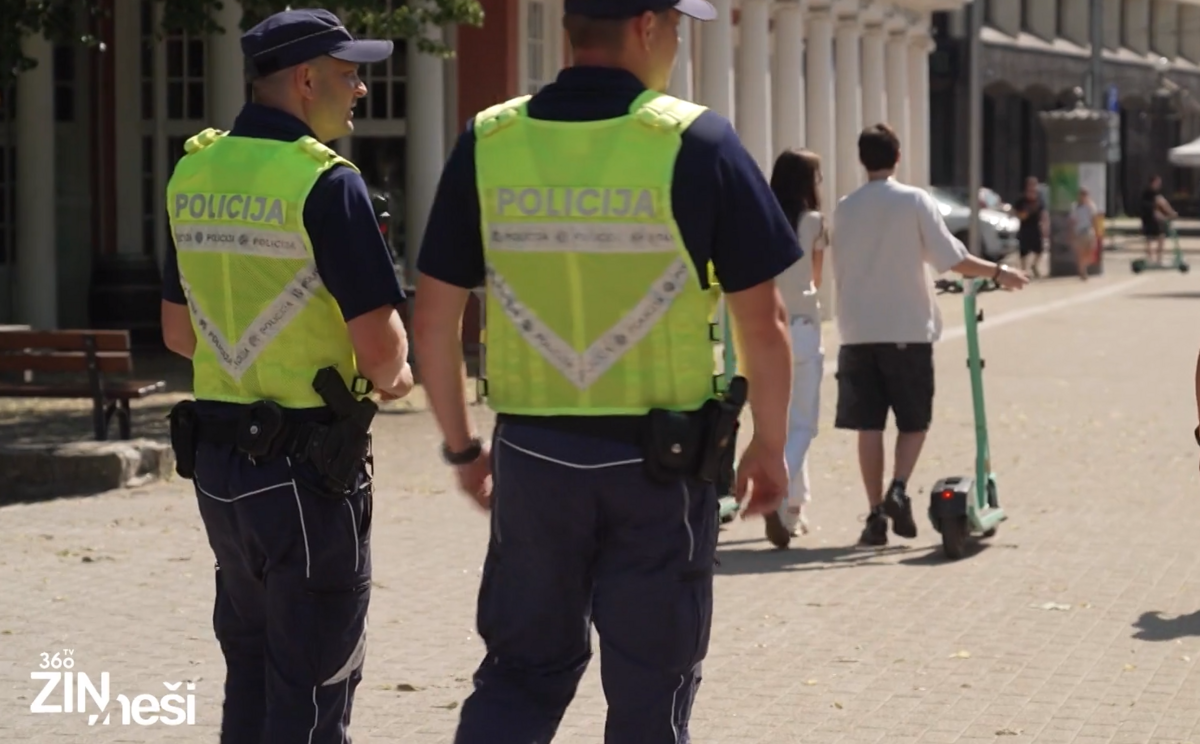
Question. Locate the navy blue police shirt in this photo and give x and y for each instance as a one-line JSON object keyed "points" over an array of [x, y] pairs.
{"points": [[723, 205], [350, 252]]}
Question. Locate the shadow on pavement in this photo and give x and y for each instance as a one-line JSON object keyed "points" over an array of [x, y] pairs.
{"points": [[1165, 296], [737, 560], [1152, 626]]}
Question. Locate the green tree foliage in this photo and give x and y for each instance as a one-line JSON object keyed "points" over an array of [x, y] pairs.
{"points": [[376, 18]]}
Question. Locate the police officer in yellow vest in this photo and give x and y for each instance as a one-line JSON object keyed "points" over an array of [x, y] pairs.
{"points": [[281, 290], [591, 212]]}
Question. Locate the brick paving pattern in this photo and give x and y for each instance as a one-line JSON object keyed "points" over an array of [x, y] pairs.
{"points": [[1079, 622]]}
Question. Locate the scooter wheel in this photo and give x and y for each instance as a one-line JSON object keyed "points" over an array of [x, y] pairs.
{"points": [[1183, 268], [1137, 265], [954, 536], [990, 533]]}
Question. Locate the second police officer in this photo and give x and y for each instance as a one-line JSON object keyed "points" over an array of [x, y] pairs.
{"points": [[281, 290], [593, 211]]}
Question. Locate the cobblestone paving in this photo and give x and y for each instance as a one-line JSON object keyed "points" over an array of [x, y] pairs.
{"points": [[1079, 622]]}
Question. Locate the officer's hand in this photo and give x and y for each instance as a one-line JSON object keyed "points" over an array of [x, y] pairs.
{"points": [[475, 478], [762, 479]]}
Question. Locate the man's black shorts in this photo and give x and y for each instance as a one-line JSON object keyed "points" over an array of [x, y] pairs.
{"points": [[873, 378]]}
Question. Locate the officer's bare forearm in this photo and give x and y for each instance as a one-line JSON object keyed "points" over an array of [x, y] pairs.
{"points": [[437, 337], [178, 334], [381, 348], [765, 350], [393, 376]]}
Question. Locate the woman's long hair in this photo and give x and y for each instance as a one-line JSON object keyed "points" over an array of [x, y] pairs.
{"points": [[794, 180]]}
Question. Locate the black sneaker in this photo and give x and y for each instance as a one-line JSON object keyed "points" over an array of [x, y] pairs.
{"points": [[777, 533], [875, 533], [898, 506]]}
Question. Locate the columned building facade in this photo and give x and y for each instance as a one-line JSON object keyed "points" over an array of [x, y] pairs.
{"points": [[91, 135], [1035, 53]]}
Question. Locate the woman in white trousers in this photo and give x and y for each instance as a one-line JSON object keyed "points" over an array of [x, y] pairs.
{"points": [[796, 180]]}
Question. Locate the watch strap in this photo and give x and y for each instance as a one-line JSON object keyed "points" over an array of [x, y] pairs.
{"points": [[463, 457]]}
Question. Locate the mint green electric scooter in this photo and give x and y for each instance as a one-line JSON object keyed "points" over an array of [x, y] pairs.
{"points": [[963, 506], [1138, 265]]}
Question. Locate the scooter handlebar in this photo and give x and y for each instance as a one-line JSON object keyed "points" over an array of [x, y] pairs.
{"points": [[956, 286]]}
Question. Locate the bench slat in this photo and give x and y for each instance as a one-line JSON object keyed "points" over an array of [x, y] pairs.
{"points": [[119, 390], [64, 361], [64, 340]]}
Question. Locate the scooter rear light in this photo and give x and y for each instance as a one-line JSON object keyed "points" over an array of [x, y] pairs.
{"points": [[947, 494]]}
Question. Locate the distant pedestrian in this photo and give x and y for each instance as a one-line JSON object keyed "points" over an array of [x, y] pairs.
{"points": [[1082, 221], [1034, 232], [796, 181], [1156, 213], [884, 235]]}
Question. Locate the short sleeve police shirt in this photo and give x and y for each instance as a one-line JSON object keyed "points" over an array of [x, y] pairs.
{"points": [[723, 205], [352, 257]]}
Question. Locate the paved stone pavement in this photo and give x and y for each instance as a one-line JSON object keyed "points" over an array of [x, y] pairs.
{"points": [[1079, 622]]}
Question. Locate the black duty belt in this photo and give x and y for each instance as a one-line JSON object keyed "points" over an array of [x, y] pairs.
{"points": [[624, 429], [293, 440]]}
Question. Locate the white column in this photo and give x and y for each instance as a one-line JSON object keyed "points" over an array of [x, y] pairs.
{"points": [[788, 126], [226, 75], [874, 109], [716, 60], [821, 131], [819, 90], [920, 45], [683, 76], [127, 44], [897, 90], [849, 102], [36, 254], [424, 145], [754, 82]]}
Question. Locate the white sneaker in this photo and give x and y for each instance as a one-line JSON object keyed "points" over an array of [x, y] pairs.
{"points": [[794, 520]]}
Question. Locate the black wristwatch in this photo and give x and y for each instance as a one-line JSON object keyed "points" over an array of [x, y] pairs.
{"points": [[463, 457], [999, 270]]}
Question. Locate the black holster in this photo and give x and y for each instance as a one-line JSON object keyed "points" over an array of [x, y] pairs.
{"points": [[184, 426], [693, 444], [342, 448]]}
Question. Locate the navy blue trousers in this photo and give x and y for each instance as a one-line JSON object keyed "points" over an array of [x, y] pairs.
{"points": [[293, 584], [580, 542]]}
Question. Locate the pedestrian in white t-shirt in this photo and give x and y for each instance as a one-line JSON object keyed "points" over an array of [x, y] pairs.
{"points": [[884, 235], [1082, 221], [795, 180]]}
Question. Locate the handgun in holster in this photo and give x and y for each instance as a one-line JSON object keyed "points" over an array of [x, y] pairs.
{"points": [[344, 448], [721, 423]]}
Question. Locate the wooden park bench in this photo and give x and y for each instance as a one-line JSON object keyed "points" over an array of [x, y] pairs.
{"points": [[92, 354]]}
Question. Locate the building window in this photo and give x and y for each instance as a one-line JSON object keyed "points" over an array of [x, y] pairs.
{"points": [[386, 90], [174, 153], [541, 54], [8, 226], [64, 83], [185, 73], [535, 45]]}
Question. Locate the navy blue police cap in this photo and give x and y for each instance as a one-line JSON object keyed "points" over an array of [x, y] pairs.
{"points": [[701, 10], [292, 37]]}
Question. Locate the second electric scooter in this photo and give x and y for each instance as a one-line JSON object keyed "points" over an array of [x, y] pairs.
{"points": [[962, 506], [1177, 264]]}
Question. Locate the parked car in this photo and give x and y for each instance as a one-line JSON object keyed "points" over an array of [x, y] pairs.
{"points": [[988, 198], [997, 228]]}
